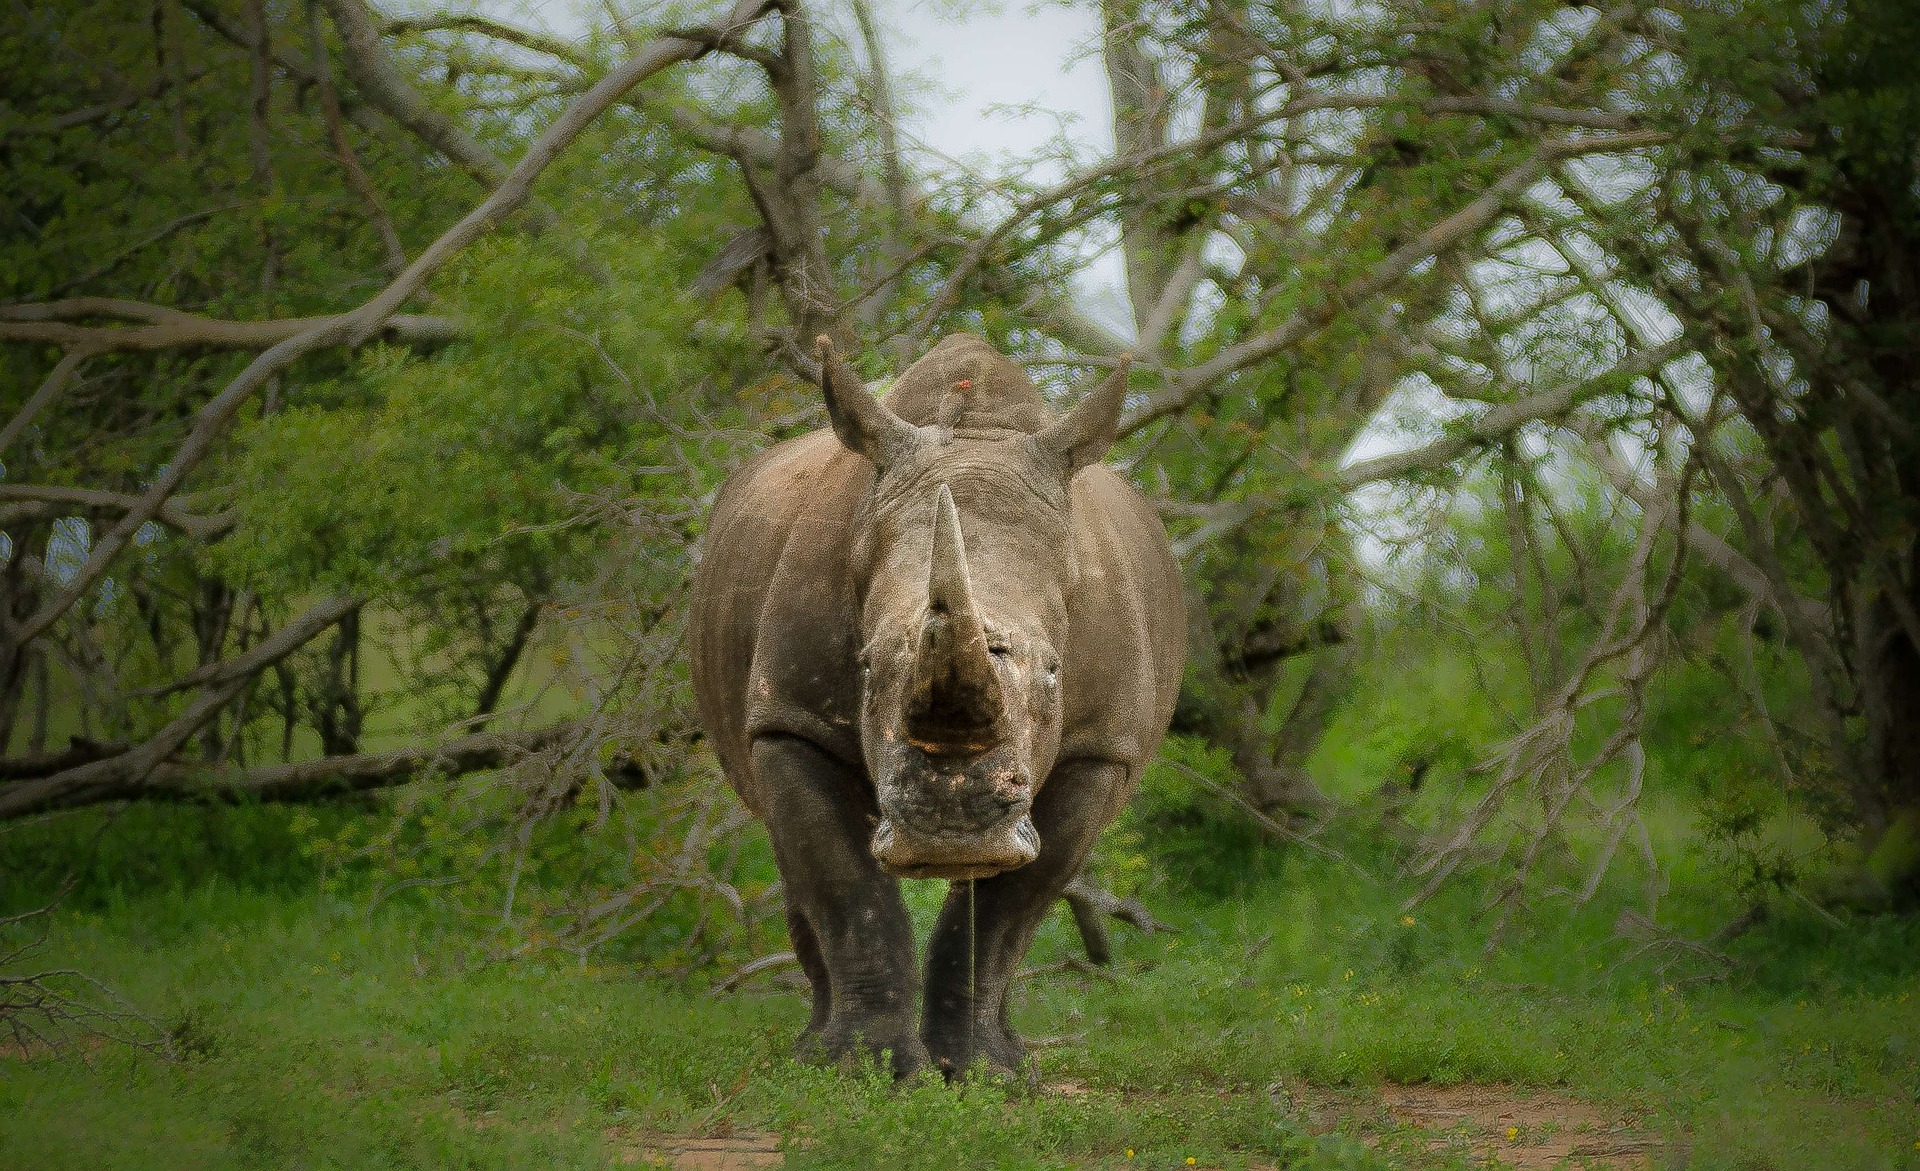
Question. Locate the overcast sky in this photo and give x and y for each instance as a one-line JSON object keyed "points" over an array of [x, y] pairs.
{"points": [[960, 67], [977, 90]]}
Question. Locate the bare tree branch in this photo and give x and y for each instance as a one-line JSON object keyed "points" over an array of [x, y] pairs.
{"points": [[373, 73], [51, 388], [1195, 382], [1091, 904], [1504, 418], [343, 149], [87, 115], [470, 22], [355, 327], [750, 146], [162, 328], [302, 71], [63, 501], [149, 240]]}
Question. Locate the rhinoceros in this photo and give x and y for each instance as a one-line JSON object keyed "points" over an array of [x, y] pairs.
{"points": [[940, 640]]}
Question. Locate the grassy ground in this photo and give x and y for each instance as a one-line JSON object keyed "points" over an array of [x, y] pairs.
{"points": [[1265, 1032]]}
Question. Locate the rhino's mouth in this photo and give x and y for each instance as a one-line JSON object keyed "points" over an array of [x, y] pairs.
{"points": [[908, 851]]}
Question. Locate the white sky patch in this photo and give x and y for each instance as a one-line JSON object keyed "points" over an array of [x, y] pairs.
{"points": [[983, 90]]}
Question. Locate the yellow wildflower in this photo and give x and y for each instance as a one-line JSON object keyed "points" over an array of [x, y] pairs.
{"points": [[1513, 1132], [1406, 920], [1190, 1160]]}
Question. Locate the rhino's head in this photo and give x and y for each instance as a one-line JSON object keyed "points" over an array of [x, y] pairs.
{"points": [[965, 562]]}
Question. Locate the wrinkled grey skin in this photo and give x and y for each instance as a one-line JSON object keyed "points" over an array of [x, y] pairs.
{"points": [[940, 640]]}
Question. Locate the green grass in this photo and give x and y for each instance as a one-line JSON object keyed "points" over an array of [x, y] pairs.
{"points": [[312, 1035]]}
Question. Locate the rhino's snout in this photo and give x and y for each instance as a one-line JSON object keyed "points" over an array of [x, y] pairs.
{"points": [[907, 851], [947, 816]]}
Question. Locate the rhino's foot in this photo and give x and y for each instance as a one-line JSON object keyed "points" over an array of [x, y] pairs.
{"points": [[849, 1044], [993, 1049]]}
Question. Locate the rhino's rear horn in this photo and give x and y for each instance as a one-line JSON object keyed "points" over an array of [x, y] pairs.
{"points": [[956, 693]]}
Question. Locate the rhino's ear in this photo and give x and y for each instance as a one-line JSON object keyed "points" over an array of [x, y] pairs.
{"points": [[1083, 436], [862, 422]]}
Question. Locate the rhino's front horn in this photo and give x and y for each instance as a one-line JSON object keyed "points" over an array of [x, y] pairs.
{"points": [[956, 692]]}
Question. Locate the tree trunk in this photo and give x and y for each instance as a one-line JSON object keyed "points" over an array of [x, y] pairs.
{"points": [[1890, 812], [1279, 782], [502, 668], [338, 718]]}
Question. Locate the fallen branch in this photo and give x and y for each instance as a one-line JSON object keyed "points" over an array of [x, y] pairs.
{"points": [[47, 1011], [309, 780], [1091, 906], [1070, 964], [124, 775], [1672, 947], [778, 961], [79, 750]]}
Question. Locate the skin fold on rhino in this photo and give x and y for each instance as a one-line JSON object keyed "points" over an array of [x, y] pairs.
{"points": [[940, 640]]}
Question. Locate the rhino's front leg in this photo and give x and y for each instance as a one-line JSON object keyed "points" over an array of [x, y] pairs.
{"points": [[984, 933], [816, 813]]}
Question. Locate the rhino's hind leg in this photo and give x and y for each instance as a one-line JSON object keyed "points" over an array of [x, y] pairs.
{"points": [[984, 933], [841, 906]]}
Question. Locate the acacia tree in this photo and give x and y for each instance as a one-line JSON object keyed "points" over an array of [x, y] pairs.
{"points": [[275, 473], [1783, 235], [1520, 237]]}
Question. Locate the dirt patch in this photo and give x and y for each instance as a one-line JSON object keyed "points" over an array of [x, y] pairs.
{"points": [[743, 1150], [1523, 1129], [1504, 1126]]}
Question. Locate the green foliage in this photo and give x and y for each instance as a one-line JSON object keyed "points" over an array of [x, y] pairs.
{"points": [[1181, 833], [478, 456]]}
